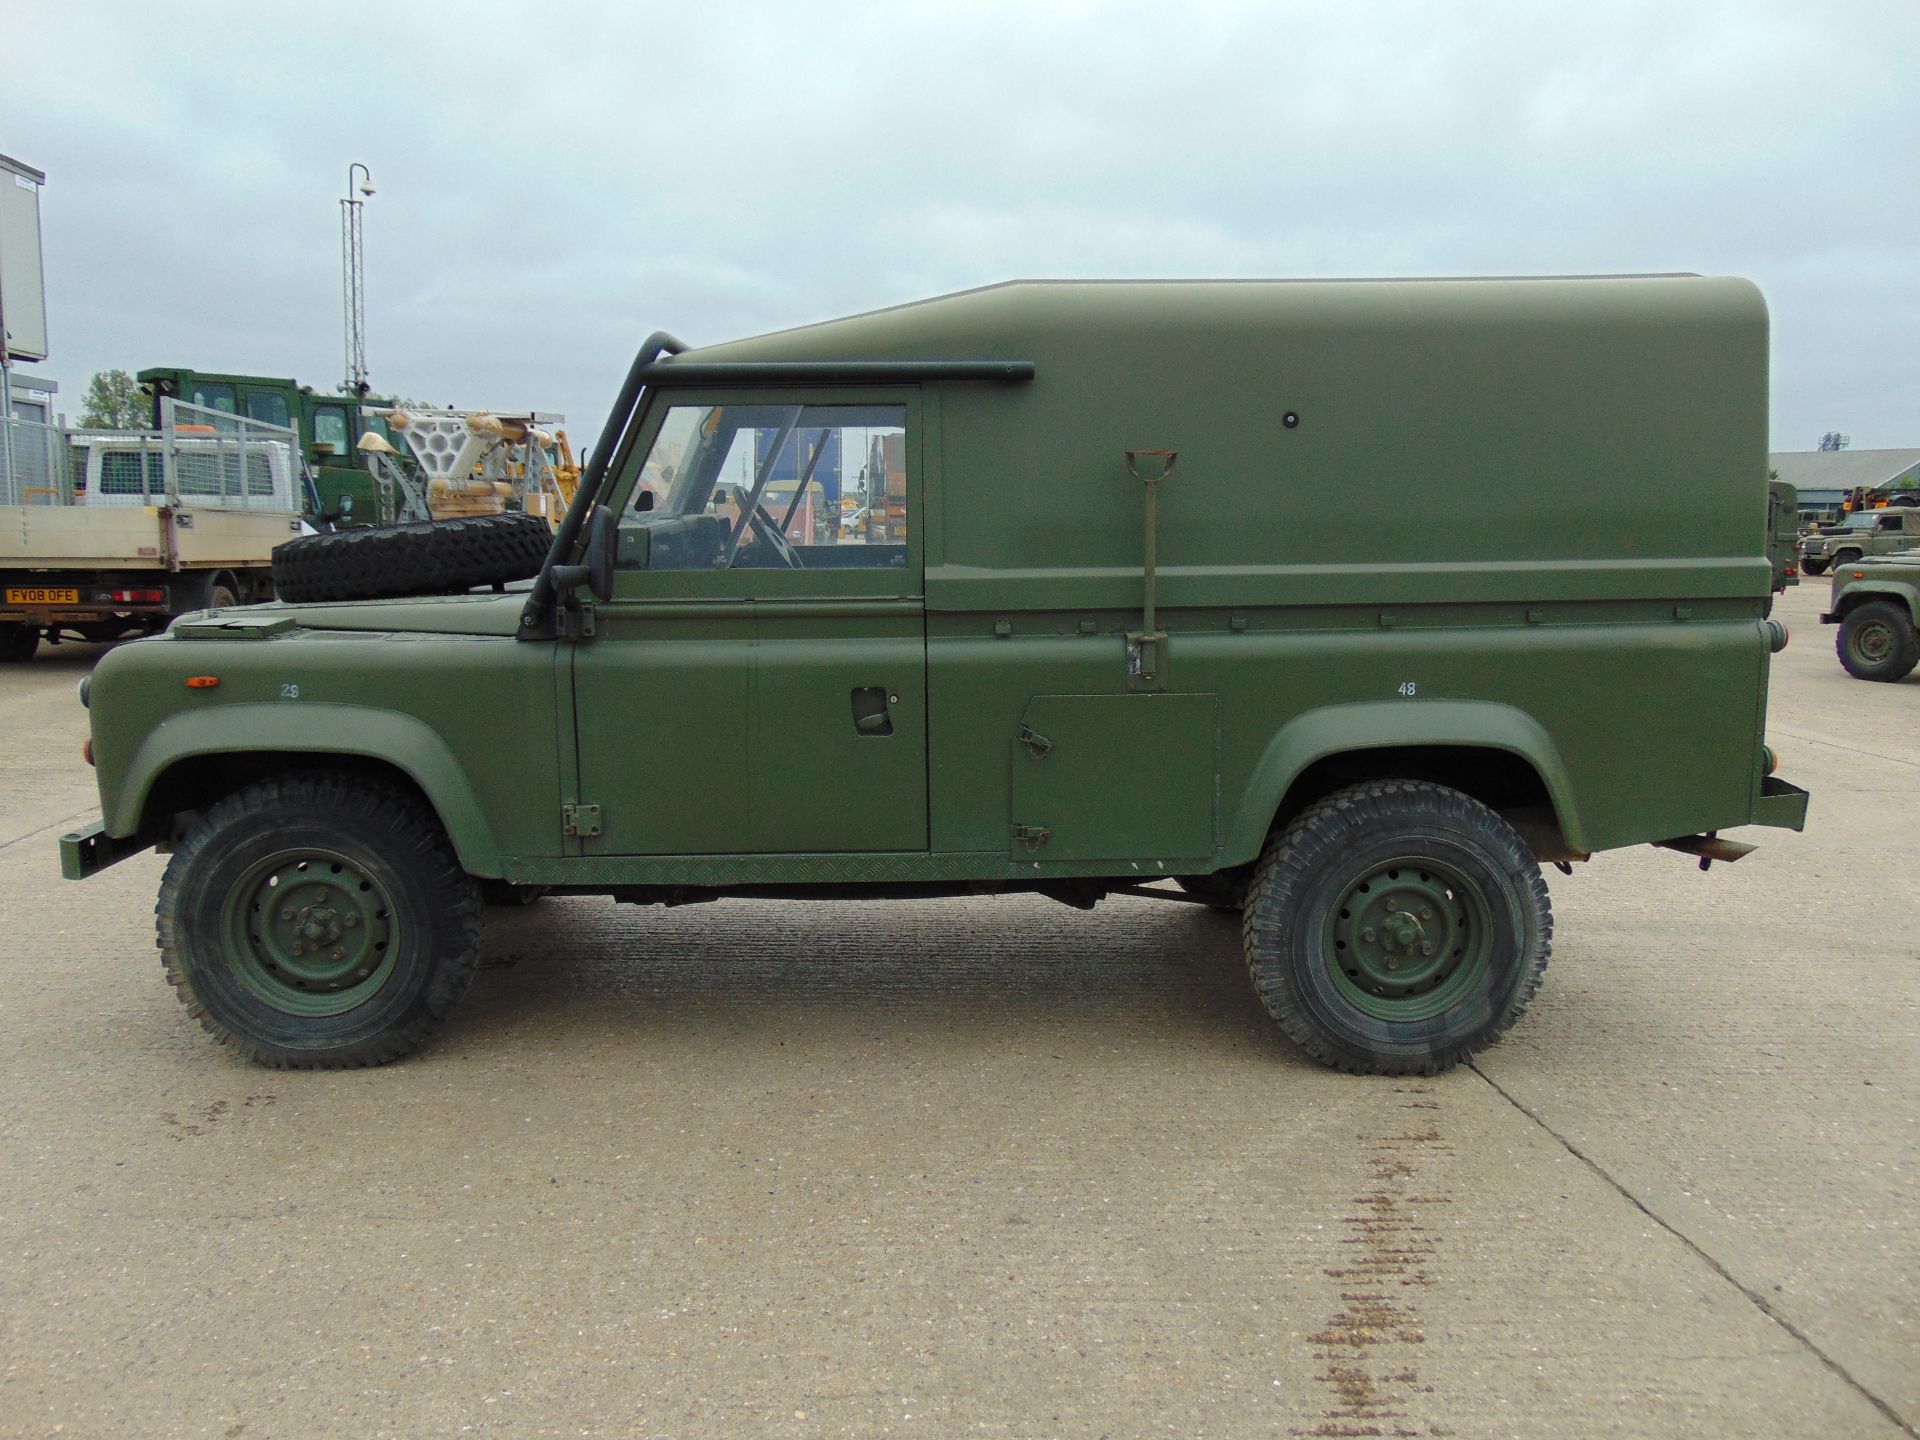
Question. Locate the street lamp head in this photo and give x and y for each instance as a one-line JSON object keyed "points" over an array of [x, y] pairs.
{"points": [[366, 187]]}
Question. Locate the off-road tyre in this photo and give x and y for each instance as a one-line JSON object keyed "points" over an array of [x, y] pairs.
{"points": [[432, 557], [1846, 557], [317, 922], [1877, 641], [1433, 862], [1224, 890], [1815, 568], [18, 642]]}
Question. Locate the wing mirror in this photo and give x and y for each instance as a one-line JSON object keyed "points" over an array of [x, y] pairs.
{"points": [[603, 538]]}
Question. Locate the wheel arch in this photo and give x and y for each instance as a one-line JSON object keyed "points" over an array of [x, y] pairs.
{"points": [[189, 761], [1496, 753], [1854, 596]]}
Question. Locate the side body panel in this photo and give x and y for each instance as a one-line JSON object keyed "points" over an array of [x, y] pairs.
{"points": [[469, 719], [730, 727]]}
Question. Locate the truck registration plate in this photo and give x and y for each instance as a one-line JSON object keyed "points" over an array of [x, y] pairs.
{"points": [[32, 595]]}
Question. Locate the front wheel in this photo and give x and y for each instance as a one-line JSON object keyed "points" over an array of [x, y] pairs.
{"points": [[1846, 557], [1815, 568], [319, 921], [1877, 641], [1397, 927], [18, 642]]}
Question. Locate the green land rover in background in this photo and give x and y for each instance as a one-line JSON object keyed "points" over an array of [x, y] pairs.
{"points": [[1025, 589], [1876, 604]]}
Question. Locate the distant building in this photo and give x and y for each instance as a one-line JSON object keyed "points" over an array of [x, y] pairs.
{"points": [[1824, 478]]}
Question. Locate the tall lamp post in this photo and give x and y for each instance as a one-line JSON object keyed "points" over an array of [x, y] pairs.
{"points": [[354, 277]]}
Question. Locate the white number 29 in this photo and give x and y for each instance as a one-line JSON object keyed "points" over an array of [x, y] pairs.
{"points": [[1408, 689]]}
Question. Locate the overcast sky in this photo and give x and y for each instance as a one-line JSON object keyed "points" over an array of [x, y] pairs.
{"points": [[555, 181]]}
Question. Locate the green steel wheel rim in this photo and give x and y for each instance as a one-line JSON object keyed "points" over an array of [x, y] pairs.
{"points": [[1408, 939], [1871, 642], [310, 932]]}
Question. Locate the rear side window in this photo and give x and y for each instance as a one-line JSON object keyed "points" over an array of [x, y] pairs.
{"points": [[267, 406], [213, 397], [330, 428]]}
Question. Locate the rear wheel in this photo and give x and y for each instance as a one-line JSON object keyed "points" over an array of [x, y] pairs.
{"points": [[1877, 641], [18, 642], [1396, 928], [319, 922]]}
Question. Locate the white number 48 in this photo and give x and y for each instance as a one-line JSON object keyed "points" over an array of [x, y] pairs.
{"points": [[1408, 688]]}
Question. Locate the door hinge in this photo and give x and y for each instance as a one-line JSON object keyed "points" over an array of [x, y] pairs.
{"points": [[581, 821], [1032, 836], [579, 619], [1035, 741]]}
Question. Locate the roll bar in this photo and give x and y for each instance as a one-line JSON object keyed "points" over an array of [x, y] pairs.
{"points": [[610, 452]]}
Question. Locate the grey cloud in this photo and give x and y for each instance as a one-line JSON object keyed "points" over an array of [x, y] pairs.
{"points": [[557, 180]]}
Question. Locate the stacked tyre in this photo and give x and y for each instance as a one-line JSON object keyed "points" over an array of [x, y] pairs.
{"points": [[434, 557]]}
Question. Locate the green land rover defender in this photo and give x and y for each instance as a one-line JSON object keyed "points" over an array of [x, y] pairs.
{"points": [[1024, 589], [1876, 604]]}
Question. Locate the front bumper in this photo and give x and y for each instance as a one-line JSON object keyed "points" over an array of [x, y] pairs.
{"points": [[90, 849]]}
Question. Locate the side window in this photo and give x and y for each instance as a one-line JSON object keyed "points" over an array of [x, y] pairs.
{"points": [[266, 405], [330, 428], [795, 487], [213, 397]]}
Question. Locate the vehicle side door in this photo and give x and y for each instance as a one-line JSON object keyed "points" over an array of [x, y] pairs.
{"points": [[757, 683]]}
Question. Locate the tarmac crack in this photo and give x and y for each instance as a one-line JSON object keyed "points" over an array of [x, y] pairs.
{"points": [[1850, 749], [65, 823], [1754, 1297]]}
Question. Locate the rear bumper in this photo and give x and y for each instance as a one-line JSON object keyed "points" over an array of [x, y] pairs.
{"points": [[1780, 805], [90, 849]]}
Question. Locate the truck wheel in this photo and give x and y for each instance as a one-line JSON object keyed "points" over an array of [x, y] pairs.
{"points": [[1846, 557], [432, 557], [1397, 927], [1815, 568], [320, 921], [18, 642], [1877, 641]]}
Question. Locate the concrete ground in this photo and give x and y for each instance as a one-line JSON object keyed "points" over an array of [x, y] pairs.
{"points": [[989, 1168]]}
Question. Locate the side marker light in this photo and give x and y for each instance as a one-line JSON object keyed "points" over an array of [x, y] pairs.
{"points": [[202, 682]]}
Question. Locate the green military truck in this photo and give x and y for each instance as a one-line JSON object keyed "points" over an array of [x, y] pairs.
{"points": [[1783, 533], [329, 426], [1863, 533], [1876, 604], [1087, 636]]}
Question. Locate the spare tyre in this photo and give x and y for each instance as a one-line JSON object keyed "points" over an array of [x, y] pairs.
{"points": [[432, 557]]}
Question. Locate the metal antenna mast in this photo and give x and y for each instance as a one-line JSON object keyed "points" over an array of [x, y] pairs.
{"points": [[354, 278]]}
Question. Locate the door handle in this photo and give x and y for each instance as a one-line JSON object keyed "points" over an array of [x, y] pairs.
{"points": [[870, 713]]}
